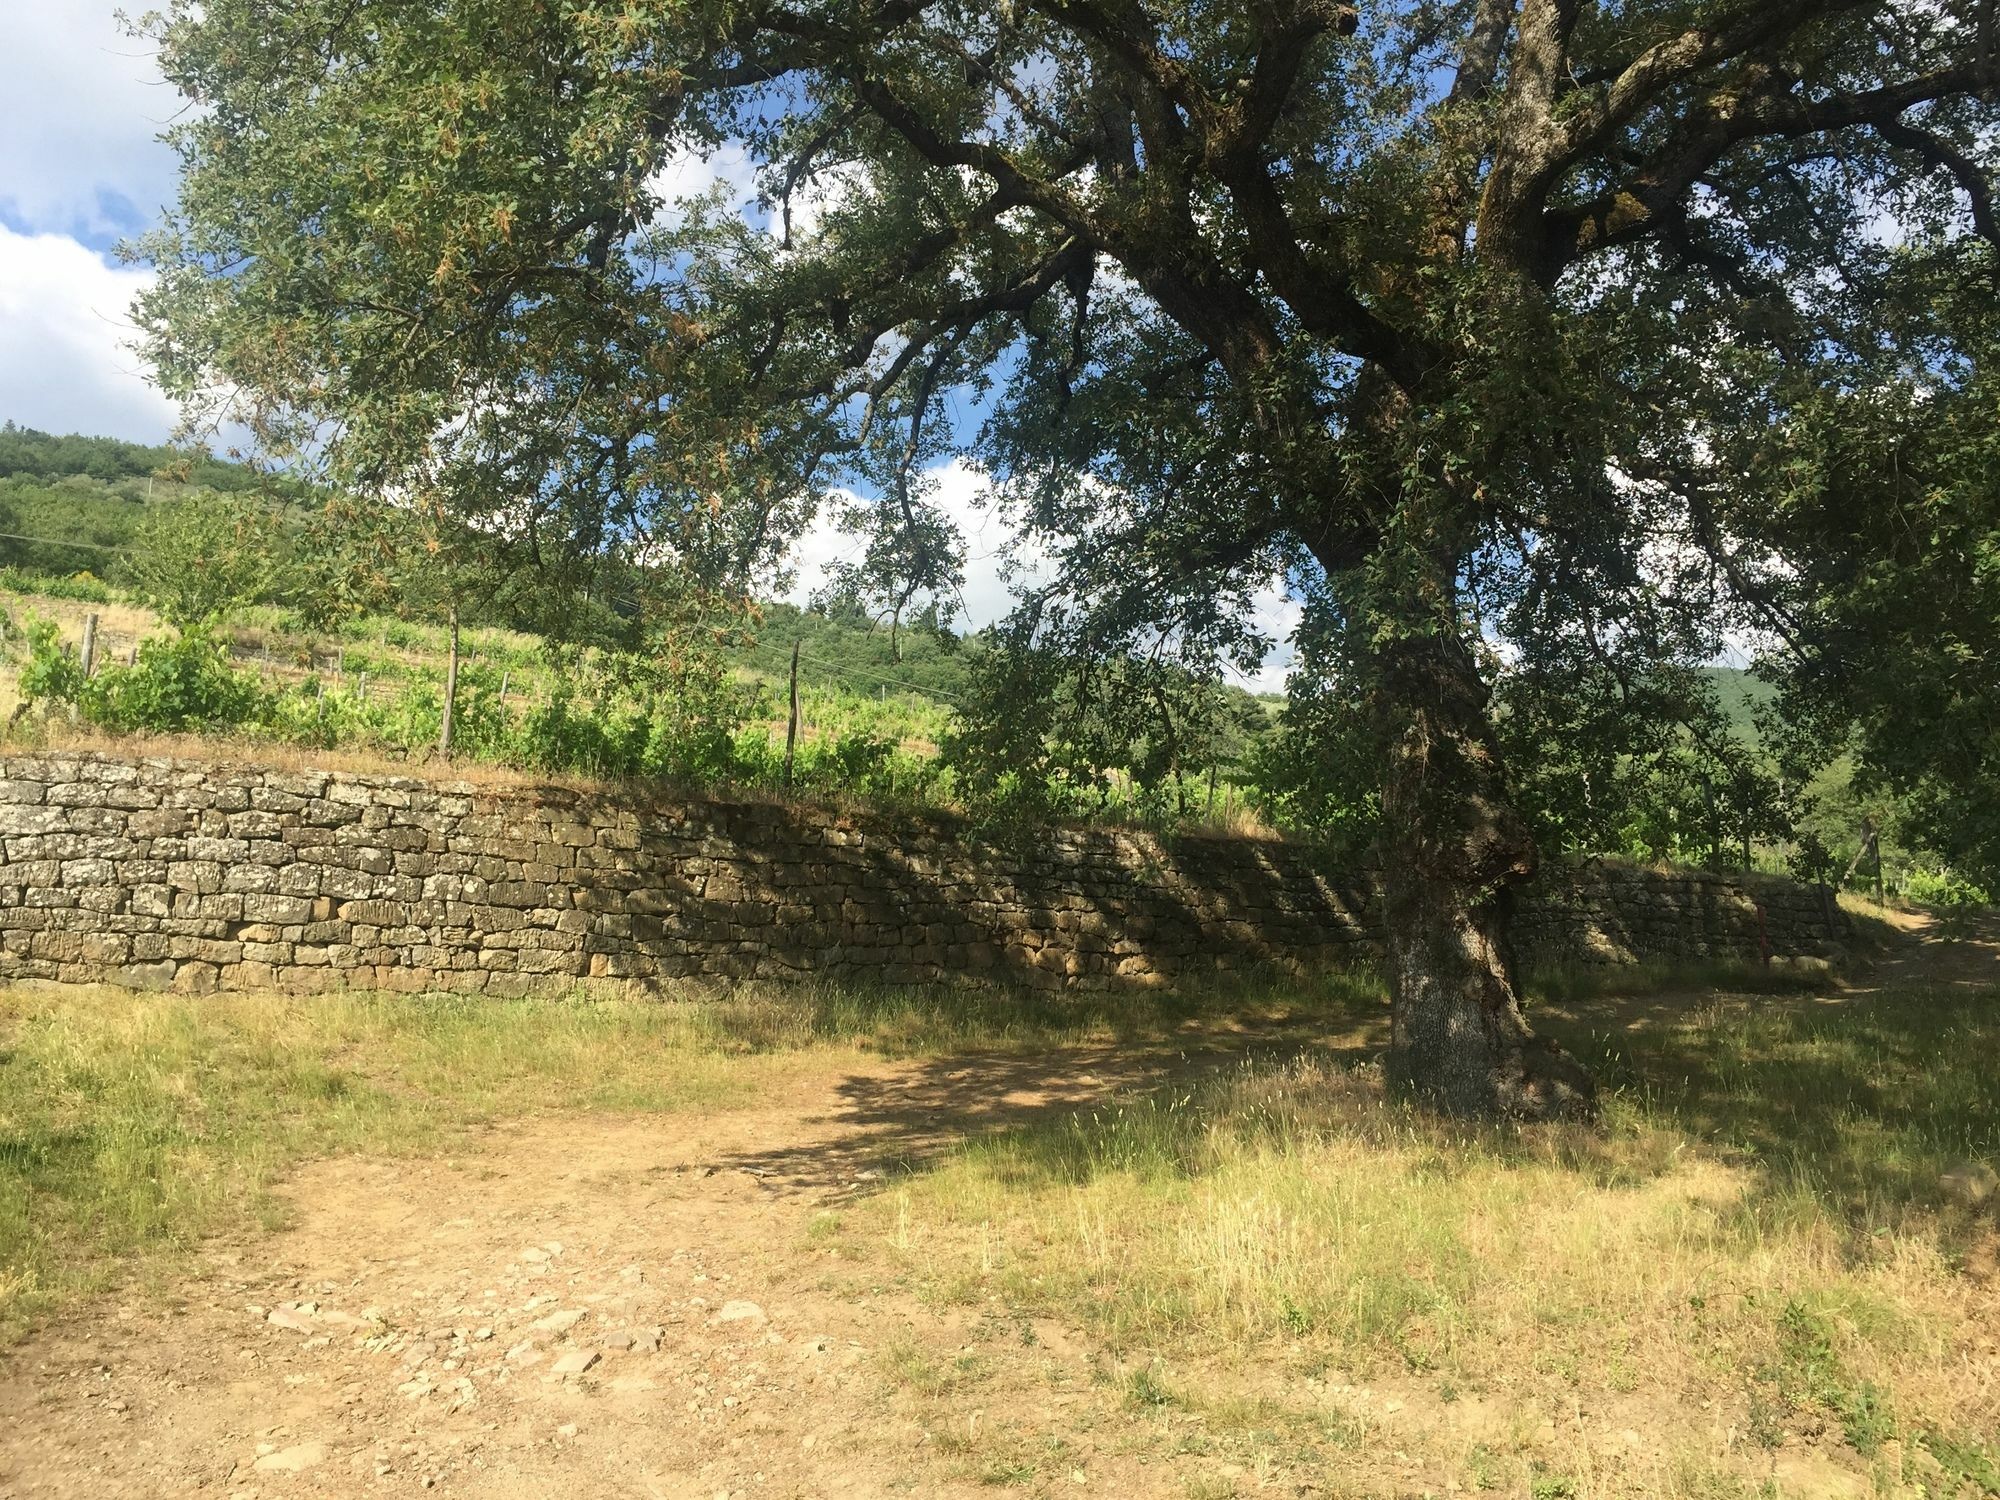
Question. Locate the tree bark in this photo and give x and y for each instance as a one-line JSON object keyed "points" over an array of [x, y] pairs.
{"points": [[1454, 852]]}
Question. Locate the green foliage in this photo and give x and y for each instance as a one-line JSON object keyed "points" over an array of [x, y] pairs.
{"points": [[613, 715], [82, 587], [178, 684], [1318, 773], [56, 528], [198, 559], [1956, 901], [1811, 861], [1943, 888], [351, 564], [1501, 344], [849, 648], [1806, 1373], [1885, 482], [1046, 732], [50, 675]]}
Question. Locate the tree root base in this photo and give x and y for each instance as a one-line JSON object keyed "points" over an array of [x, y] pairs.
{"points": [[1546, 1084], [1536, 1082]]}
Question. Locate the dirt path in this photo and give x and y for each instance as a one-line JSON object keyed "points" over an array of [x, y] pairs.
{"points": [[603, 1307], [642, 1307], [1930, 956]]}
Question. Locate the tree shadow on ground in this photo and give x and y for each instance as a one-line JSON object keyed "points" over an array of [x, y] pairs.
{"points": [[903, 1120], [1856, 1100], [1855, 1096]]}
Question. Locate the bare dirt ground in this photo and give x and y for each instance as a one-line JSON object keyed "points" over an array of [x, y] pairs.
{"points": [[605, 1307], [647, 1307]]}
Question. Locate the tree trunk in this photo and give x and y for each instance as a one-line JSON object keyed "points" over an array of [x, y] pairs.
{"points": [[1453, 853]]}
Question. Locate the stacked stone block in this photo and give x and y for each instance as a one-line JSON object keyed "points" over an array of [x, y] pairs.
{"points": [[198, 877]]}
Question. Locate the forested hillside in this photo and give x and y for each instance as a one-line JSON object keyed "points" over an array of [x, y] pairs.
{"points": [[74, 504]]}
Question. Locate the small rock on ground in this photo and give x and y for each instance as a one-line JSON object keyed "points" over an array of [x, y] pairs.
{"points": [[291, 1460]]}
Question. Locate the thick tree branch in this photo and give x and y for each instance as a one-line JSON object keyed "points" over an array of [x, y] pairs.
{"points": [[1967, 173], [1668, 64], [1485, 45], [1658, 189]]}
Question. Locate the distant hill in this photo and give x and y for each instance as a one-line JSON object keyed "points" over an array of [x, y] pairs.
{"points": [[27, 453], [72, 504], [1742, 693]]}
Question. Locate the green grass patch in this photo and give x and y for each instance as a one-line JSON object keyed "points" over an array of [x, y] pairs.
{"points": [[1849, 1111], [132, 1125]]}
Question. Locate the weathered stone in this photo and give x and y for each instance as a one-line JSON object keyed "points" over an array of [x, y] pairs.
{"points": [[252, 877], [192, 977], [291, 1460], [275, 908]]}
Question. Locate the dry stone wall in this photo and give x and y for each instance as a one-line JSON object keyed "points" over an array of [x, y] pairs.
{"points": [[197, 877]]}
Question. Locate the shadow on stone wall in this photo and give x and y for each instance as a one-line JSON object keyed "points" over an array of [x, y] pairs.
{"points": [[199, 877]]}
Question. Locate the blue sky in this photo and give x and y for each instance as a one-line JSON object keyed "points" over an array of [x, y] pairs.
{"points": [[81, 168]]}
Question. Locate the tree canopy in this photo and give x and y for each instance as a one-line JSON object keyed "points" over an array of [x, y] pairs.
{"points": [[1478, 322]]}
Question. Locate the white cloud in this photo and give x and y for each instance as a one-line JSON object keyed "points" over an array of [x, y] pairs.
{"points": [[695, 173], [826, 189], [83, 105], [65, 327], [1278, 616], [963, 495]]}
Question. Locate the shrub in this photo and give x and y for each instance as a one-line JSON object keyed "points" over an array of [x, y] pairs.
{"points": [[50, 674], [178, 684], [85, 588], [672, 714]]}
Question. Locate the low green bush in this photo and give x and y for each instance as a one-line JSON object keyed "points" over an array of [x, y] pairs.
{"points": [[84, 588], [180, 684], [177, 684]]}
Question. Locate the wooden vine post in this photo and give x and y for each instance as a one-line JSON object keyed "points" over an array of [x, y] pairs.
{"points": [[792, 723]]}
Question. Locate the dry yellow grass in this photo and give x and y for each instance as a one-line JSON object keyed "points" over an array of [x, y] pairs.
{"points": [[1749, 1276], [1747, 1281]]}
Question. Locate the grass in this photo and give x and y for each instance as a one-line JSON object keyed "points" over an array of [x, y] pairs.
{"points": [[1750, 1258], [1757, 1230], [133, 1125]]}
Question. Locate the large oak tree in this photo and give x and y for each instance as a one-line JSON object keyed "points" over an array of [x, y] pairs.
{"points": [[1467, 317]]}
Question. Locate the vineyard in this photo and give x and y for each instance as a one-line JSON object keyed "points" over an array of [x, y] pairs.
{"points": [[144, 594]]}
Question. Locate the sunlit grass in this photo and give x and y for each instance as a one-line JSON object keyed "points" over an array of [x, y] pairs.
{"points": [[1756, 1229], [136, 1124]]}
